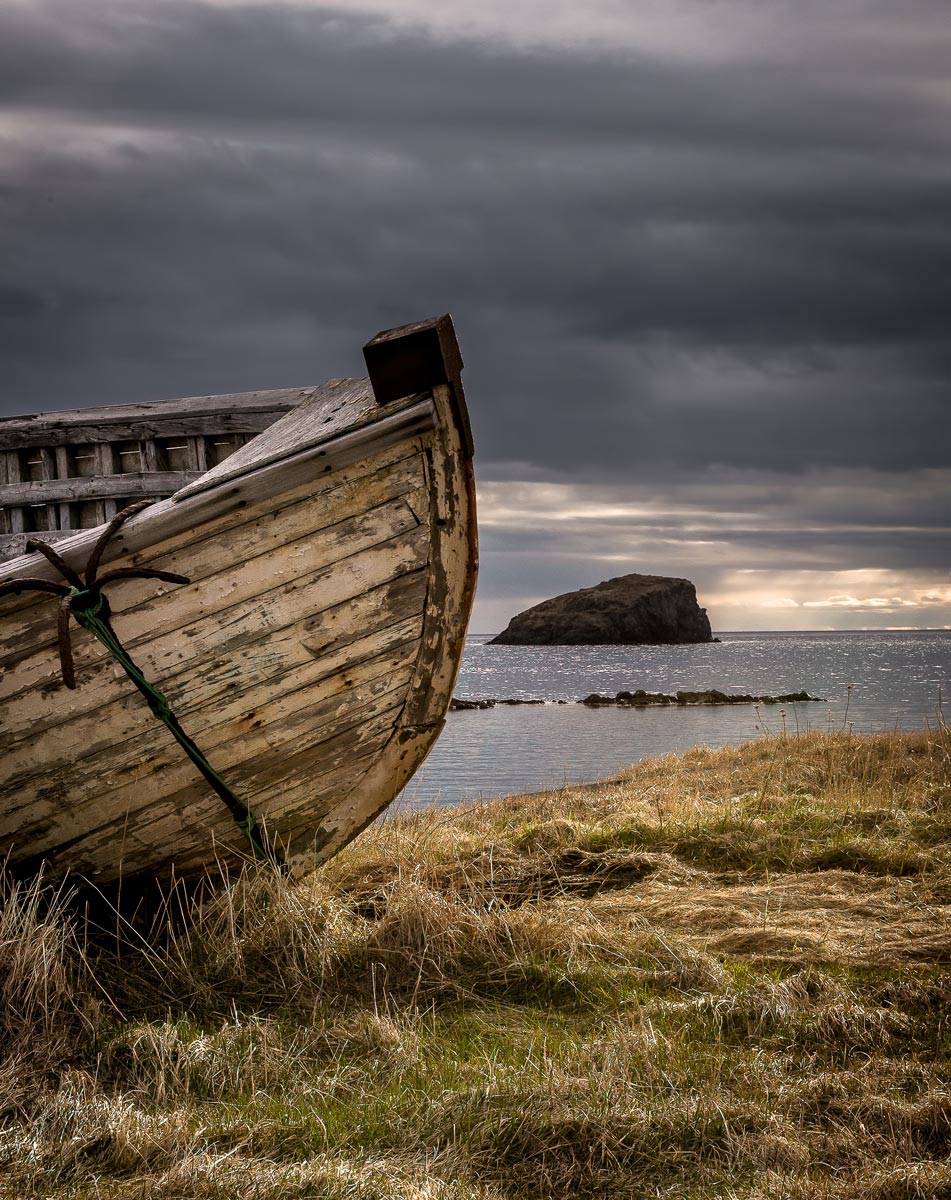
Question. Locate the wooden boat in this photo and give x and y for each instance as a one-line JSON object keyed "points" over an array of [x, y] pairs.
{"points": [[312, 655]]}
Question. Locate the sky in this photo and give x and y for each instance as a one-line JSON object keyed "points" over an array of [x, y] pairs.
{"points": [[698, 254]]}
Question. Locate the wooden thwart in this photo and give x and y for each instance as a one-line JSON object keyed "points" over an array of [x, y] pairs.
{"points": [[156, 483]]}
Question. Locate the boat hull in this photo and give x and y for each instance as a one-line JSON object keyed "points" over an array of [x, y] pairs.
{"points": [[311, 656]]}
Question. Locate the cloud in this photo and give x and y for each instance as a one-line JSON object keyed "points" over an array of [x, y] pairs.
{"points": [[698, 255], [888, 604], [763, 551]]}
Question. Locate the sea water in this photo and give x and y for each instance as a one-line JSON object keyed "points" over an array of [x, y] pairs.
{"points": [[871, 682]]}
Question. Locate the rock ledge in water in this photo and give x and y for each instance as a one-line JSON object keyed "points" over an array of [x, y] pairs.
{"points": [[629, 610], [642, 699]]}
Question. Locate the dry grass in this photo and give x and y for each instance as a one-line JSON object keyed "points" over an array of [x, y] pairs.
{"points": [[722, 974]]}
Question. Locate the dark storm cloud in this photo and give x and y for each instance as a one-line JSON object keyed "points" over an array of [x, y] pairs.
{"points": [[780, 532], [666, 270], [268, 63]]}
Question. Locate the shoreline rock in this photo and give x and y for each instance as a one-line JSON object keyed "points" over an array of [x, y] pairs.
{"points": [[642, 699], [712, 697], [629, 610]]}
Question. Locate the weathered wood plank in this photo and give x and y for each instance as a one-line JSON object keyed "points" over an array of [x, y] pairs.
{"points": [[244, 746], [179, 785], [167, 782], [16, 518], [402, 462], [250, 532], [67, 516], [205, 833], [224, 572], [97, 487], [152, 459], [295, 841], [30, 715], [250, 423], [247, 412], [314, 775], [130, 720], [103, 740], [45, 518], [197, 458], [315, 787], [182, 512], [229, 516], [103, 509]]}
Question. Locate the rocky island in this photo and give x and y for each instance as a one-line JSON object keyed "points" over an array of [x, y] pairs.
{"points": [[629, 610]]}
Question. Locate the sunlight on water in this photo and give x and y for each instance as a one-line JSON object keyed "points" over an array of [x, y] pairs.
{"points": [[873, 681]]}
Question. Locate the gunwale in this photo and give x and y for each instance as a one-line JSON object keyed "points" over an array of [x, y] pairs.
{"points": [[401, 720]]}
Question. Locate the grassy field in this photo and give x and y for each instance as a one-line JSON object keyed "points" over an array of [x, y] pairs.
{"points": [[723, 974]]}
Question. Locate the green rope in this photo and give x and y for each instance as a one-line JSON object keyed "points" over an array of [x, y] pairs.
{"points": [[91, 610], [81, 597]]}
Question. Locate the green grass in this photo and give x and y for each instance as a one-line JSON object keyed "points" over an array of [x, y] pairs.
{"points": [[719, 975]]}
